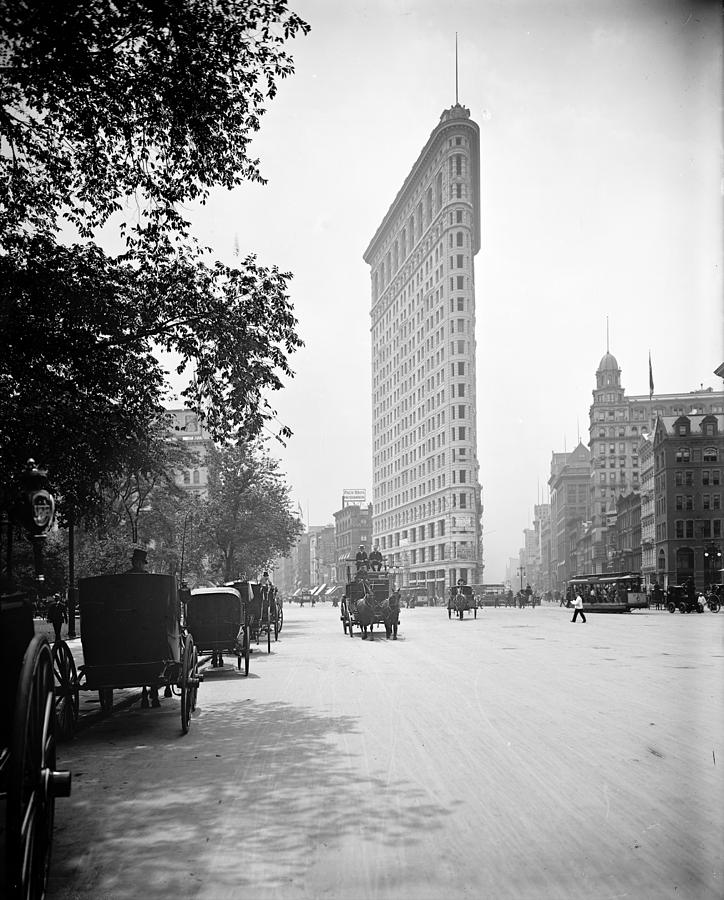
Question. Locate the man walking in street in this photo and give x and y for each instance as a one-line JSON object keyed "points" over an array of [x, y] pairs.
{"points": [[578, 607]]}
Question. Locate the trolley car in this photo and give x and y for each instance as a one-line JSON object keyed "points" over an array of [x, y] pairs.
{"points": [[218, 618], [29, 781], [132, 637], [611, 593]]}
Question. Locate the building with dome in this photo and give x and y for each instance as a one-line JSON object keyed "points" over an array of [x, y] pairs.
{"points": [[616, 425]]}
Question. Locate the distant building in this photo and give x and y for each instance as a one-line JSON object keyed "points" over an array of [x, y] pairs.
{"points": [[648, 518], [352, 527], [187, 429], [322, 556], [569, 486], [615, 428], [688, 467], [627, 540]]}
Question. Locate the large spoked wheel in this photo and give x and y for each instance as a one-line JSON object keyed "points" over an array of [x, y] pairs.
{"points": [[67, 692], [189, 682], [33, 783], [268, 635], [276, 626], [671, 607], [714, 606], [195, 670], [350, 623], [343, 616], [280, 618]]}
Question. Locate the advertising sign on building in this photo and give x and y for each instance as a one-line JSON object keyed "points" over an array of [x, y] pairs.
{"points": [[353, 497]]}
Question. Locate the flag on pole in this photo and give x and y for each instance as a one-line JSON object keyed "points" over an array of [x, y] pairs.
{"points": [[651, 378]]}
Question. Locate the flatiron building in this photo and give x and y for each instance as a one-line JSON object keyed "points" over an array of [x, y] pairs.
{"points": [[427, 499]]}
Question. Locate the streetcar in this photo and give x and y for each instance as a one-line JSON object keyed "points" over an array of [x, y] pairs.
{"points": [[615, 592]]}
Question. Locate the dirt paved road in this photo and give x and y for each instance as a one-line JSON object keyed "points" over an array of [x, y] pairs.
{"points": [[516, 756]]}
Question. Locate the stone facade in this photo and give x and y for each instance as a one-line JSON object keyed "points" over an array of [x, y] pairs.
{"points": [[352, 527], [688, 478], [426, 493]]}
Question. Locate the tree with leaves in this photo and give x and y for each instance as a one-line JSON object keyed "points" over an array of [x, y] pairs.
{"points": [[247, 517], [121, 114]]}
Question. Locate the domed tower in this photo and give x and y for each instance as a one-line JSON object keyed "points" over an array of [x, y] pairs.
{"points": [[608, 379], [611, 454]]}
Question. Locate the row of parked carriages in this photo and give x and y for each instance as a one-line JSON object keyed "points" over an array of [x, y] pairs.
{"points": [[137, 630]]}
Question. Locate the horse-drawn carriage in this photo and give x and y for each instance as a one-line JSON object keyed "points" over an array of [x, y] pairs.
{"points": [[218, 618], [461, 600], [369, 599], [29, 782], [132, 637], [266, 614]]}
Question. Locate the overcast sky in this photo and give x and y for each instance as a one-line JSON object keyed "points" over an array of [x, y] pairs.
{"points": [[601, 196]]}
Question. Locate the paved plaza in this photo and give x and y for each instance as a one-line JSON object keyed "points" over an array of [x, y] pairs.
{"points": [[513, 756]]}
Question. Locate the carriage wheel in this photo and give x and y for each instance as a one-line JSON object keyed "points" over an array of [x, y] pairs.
{"points": [[247, 649], [268, 636], [66, 691], [33, 783], [188, 677], [105, 695], [195, 672], [350, 622], [714, 606], [343, 616], [449, 613], [280, 617]]}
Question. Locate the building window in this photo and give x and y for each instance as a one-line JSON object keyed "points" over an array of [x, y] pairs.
{"points": [[689, 528], [461, 477], [187, 477], [683, 455], [705, 476], [679, 528], [679, 501], [716, 501], [463, 501], [711, 454], [706, 501]]}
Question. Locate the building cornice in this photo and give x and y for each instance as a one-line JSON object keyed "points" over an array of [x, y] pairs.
{"points": [[450, 120]]}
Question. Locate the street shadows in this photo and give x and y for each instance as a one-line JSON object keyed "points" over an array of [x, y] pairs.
{"points": [[237, 802]]}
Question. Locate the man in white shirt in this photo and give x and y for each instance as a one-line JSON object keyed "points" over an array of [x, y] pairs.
{"points": [[578, 607]]}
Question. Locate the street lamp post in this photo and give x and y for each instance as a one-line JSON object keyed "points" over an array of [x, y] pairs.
{"points": [[712, 560], [521, 572]]}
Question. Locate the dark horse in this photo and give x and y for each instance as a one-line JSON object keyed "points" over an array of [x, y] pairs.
{"points": [[366, 613], [391, 614]]}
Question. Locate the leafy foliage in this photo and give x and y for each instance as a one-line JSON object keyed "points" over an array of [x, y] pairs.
{"points": [[247, 517], [152, 101], [121, 113]]}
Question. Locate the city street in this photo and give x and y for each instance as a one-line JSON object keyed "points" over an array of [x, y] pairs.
{"points": [[513, 756]]}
